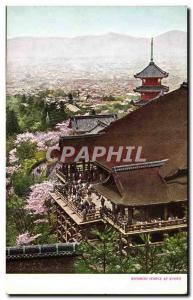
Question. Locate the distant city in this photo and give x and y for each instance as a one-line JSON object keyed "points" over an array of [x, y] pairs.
{"points": [[97, 66]]}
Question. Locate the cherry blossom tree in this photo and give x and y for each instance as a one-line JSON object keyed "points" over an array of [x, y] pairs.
{"points": [[25, 238], [13, 156], [11, 169], [44, 139], [38, 196], [39, 193]]}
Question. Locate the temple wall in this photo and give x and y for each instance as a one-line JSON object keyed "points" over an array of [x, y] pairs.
{"points": [[63, 264], [149, 96], [151, 81]]}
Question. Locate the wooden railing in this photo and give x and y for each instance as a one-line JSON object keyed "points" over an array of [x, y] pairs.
{"points": [[146, 225], [61, 174], [89, 216], [80, 167]]}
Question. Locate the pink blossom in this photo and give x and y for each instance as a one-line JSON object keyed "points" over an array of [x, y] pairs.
{"points": [[39, 194], [63, 127], [24, 137], [25, 238], [12, 156], [39, 221], [41, 146], [129, 110], [44, 139], [12, 169], [8, 181]]}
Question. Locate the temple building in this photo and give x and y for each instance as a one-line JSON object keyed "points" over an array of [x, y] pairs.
{"points": [[151, 78], [92, 123], [146, 197]]}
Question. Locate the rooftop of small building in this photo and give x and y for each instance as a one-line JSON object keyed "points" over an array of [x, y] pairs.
{"points": [[43, 250], [86, 123], [46, 258]]}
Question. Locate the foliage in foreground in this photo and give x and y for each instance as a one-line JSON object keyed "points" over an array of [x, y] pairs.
{"points": [[104, 255]]}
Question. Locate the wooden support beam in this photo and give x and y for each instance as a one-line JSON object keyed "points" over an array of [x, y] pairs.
{"points": [[165, 212], [130, 215]]}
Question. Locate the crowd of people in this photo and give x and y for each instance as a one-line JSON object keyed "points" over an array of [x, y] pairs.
{"points": [[78, 191], [80, 194], [75, 172], [123, 220]]}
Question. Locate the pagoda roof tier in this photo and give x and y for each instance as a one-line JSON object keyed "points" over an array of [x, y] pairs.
{"points": [[151, 88], [151, 71]]}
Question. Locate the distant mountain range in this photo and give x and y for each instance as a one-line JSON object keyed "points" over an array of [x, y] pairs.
{"points": [[172, 44], [33, 61]]}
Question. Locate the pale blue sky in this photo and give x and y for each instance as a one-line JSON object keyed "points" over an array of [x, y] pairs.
{"points": [[64, 21]]}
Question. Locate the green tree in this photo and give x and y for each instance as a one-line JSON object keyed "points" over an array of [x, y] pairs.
{"points": [[17, 221], [12, 125], [24, 98], [106, 255], [146, 256], [70, 98], [21, 183], [26, 150], [9, 145], [174, 256], [57, 114], [102, 255]]}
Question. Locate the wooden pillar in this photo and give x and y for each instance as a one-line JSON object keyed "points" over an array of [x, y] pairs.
{"points": [[70, 171], [130, 215], [57, 221], [113, 207], [165, 216], [66, 234], [146, 213], [184, 210], [83, 165]]}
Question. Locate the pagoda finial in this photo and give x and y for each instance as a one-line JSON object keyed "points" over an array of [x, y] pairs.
{"points": [[152, 49]]}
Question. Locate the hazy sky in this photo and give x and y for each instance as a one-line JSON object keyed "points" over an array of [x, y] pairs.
{"points": [[60, 21]]}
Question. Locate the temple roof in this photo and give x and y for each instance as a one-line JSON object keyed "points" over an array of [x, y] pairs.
{"points": [[100, 126], [160, 127], [151, 71], [138, 166], [143, 186], [90, 122], [151, 88]]}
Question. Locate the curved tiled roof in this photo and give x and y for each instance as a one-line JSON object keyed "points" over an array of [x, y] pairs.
{"points": [[143, 185], [151, 88], [151, 71], [160, 128], [60, 249], [89, 122]]}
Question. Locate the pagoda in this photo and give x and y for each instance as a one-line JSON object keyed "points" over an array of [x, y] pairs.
{"points": [[151, 78]]}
